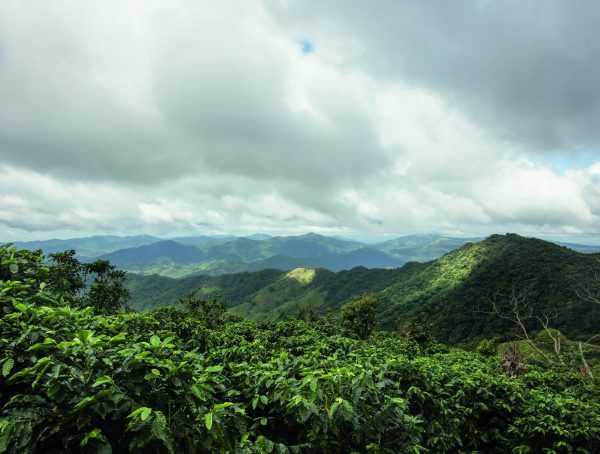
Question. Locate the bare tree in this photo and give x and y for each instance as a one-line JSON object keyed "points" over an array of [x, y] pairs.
{"points": [[591, 292], [518, 310]]}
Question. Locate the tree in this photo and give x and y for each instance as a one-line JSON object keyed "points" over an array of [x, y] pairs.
{"points": [[210, 310], [66, 273], [107, 294], [358, 316], [416, 328], [519, 311], [70, 279]]}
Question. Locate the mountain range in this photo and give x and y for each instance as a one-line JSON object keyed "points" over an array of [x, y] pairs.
{"points": [[215, 255], [452, 292], [89, 247]]}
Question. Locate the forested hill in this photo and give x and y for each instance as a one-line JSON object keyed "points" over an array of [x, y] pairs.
{"points": [[449, 291], [265, 294]]}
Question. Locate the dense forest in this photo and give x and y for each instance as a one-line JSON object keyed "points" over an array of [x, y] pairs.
{"points": [[82, 372], [453, 292]]}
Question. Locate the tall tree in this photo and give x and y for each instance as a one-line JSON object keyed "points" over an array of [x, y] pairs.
{"points": [[358, 316]]}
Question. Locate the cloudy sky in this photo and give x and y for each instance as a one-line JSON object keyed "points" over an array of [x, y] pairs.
{"points": [[341, 117]]}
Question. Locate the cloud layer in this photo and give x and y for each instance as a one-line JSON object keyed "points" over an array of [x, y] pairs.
{"points": [[189, 117]]}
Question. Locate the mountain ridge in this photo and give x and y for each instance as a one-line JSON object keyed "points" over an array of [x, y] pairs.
{"points": [[223, 254], [448, 291]]}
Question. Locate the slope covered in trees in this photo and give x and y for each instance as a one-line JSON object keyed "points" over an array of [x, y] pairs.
{"points": [[452, 292]]}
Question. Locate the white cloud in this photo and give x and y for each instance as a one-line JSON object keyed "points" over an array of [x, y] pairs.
{"points": [[183, 116]]}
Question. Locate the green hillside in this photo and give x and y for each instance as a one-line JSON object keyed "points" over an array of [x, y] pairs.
{"points": [[449, 291], [149, 292], [80, 374], [267, 292]]}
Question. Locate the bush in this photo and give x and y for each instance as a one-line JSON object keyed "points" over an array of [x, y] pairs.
{"points": [[546, 335], [488, 347]]}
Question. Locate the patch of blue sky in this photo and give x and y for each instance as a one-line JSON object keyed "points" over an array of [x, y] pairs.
{"points": [[306, 46], [563, 162]]}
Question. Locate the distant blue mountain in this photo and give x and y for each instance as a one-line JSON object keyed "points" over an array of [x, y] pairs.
{"points": [[216, 255], [91, 246]]}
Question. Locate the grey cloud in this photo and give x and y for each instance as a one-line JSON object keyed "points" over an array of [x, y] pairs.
{"points": [[527, 70], [210, 98], [62, 110], [233, 100]]}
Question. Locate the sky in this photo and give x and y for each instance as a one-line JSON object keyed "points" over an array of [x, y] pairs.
{"points": [[337, 117]]}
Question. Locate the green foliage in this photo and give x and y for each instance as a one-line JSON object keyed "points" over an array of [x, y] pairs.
{"points": [[77, 380], [359, 316], [22, 265], [488, 347]]}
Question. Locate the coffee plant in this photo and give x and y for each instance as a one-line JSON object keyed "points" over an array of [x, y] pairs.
{"points": [[79, 379]]}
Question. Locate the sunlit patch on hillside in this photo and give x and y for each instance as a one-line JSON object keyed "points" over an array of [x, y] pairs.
{"points": [[454, 268], [302, 275]]}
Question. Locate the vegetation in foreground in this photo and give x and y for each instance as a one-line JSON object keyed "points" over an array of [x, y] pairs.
{"points": [[78, 376]]}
